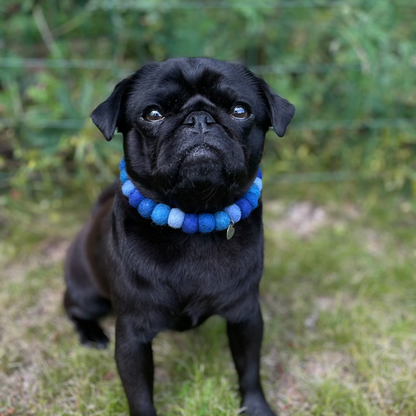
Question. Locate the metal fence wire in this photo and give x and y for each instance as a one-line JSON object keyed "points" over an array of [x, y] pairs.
{"points": [[352, 57]]}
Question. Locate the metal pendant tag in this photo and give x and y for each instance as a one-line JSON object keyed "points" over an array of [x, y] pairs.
{"points": [[230, 231]]}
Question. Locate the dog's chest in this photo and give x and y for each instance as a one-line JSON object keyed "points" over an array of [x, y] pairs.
{"points": [[208, 279], [176, 281]]}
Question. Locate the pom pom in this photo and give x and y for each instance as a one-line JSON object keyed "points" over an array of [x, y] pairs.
{"points": [[123, 176], [252, 196], [222, 221], [255, 191], [259, 173], [206, 223], [160, 214], [135, 198], [252, 199], [244, 206], [190, 223], [234, 212], [146, 207], [128, 188], [122, 164], [259, 183], [176, 218]]}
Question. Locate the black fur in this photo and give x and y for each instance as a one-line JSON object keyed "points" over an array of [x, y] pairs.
{"points": [[200, 159]]}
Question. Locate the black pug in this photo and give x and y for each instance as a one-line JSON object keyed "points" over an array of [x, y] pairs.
{"points": [[193, 133]]}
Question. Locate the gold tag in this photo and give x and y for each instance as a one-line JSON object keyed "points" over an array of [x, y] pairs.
{"points": [[230, 231]]}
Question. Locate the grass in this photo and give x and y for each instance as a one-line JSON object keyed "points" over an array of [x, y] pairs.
{"points": [[339, 303]]}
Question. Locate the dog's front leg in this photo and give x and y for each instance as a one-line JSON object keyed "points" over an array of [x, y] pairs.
{"points": [[134, 357], [245, 340]]}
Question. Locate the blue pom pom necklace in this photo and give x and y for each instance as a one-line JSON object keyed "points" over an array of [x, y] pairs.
{"points": [[162, 214]]}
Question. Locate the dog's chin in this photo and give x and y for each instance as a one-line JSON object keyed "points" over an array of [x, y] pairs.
{"points": [[202, 184], [202, 166]]}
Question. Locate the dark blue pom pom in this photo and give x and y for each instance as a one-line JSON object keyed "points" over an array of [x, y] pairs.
{"points": [[252, 199], [244, 206], [259, 173], [190, 223], [135, 198]]}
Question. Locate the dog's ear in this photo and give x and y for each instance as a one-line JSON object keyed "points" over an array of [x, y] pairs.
{"points": [[281, 111], [107, 115]]}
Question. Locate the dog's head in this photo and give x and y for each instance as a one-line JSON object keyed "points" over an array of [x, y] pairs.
{"points": [[193, 130]]}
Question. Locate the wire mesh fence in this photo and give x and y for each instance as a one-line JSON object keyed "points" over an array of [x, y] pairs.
{"points": [[349, 67]]}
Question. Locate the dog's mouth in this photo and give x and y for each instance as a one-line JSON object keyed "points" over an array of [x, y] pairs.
{"points": [[202, 181], [202, 164], [200, 153]]}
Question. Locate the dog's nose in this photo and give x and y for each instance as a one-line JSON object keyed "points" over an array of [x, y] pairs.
{"points": [[200, 121]]}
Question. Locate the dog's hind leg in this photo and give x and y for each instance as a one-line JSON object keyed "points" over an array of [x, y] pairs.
{"points": [[86, 320], [84, 301]]}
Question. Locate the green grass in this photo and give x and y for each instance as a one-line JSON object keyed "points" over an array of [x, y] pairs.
{"points": [[339, 303]]}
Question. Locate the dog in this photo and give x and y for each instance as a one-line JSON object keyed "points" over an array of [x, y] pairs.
{"points": [[194, 131]]}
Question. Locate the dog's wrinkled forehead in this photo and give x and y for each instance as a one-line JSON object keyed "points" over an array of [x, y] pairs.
{"points": [[173, 83]]}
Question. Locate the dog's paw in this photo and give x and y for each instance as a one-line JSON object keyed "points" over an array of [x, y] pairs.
{"points": [[100, 342], [255, 406], [91, 334]]}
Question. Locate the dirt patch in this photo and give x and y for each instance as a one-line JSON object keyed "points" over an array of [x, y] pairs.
{"points": [[302, 218]]}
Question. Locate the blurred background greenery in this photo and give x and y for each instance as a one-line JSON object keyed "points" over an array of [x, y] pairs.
{"points": [[348, 66]]}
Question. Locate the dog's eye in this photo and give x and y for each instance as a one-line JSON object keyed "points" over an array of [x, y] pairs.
{"points": [[239, 112], [153, 115]]}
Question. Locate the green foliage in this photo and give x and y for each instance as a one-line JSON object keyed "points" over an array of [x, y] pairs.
{"points": [[349, 67]]}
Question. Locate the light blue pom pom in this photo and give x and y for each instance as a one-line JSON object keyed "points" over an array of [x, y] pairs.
{"points": [[176, 217], [234, 212], [122, 164], [160, 214], [123, 176], [206, 223], [146, 207], [222, 221], [259, 183], [127, 188]]}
